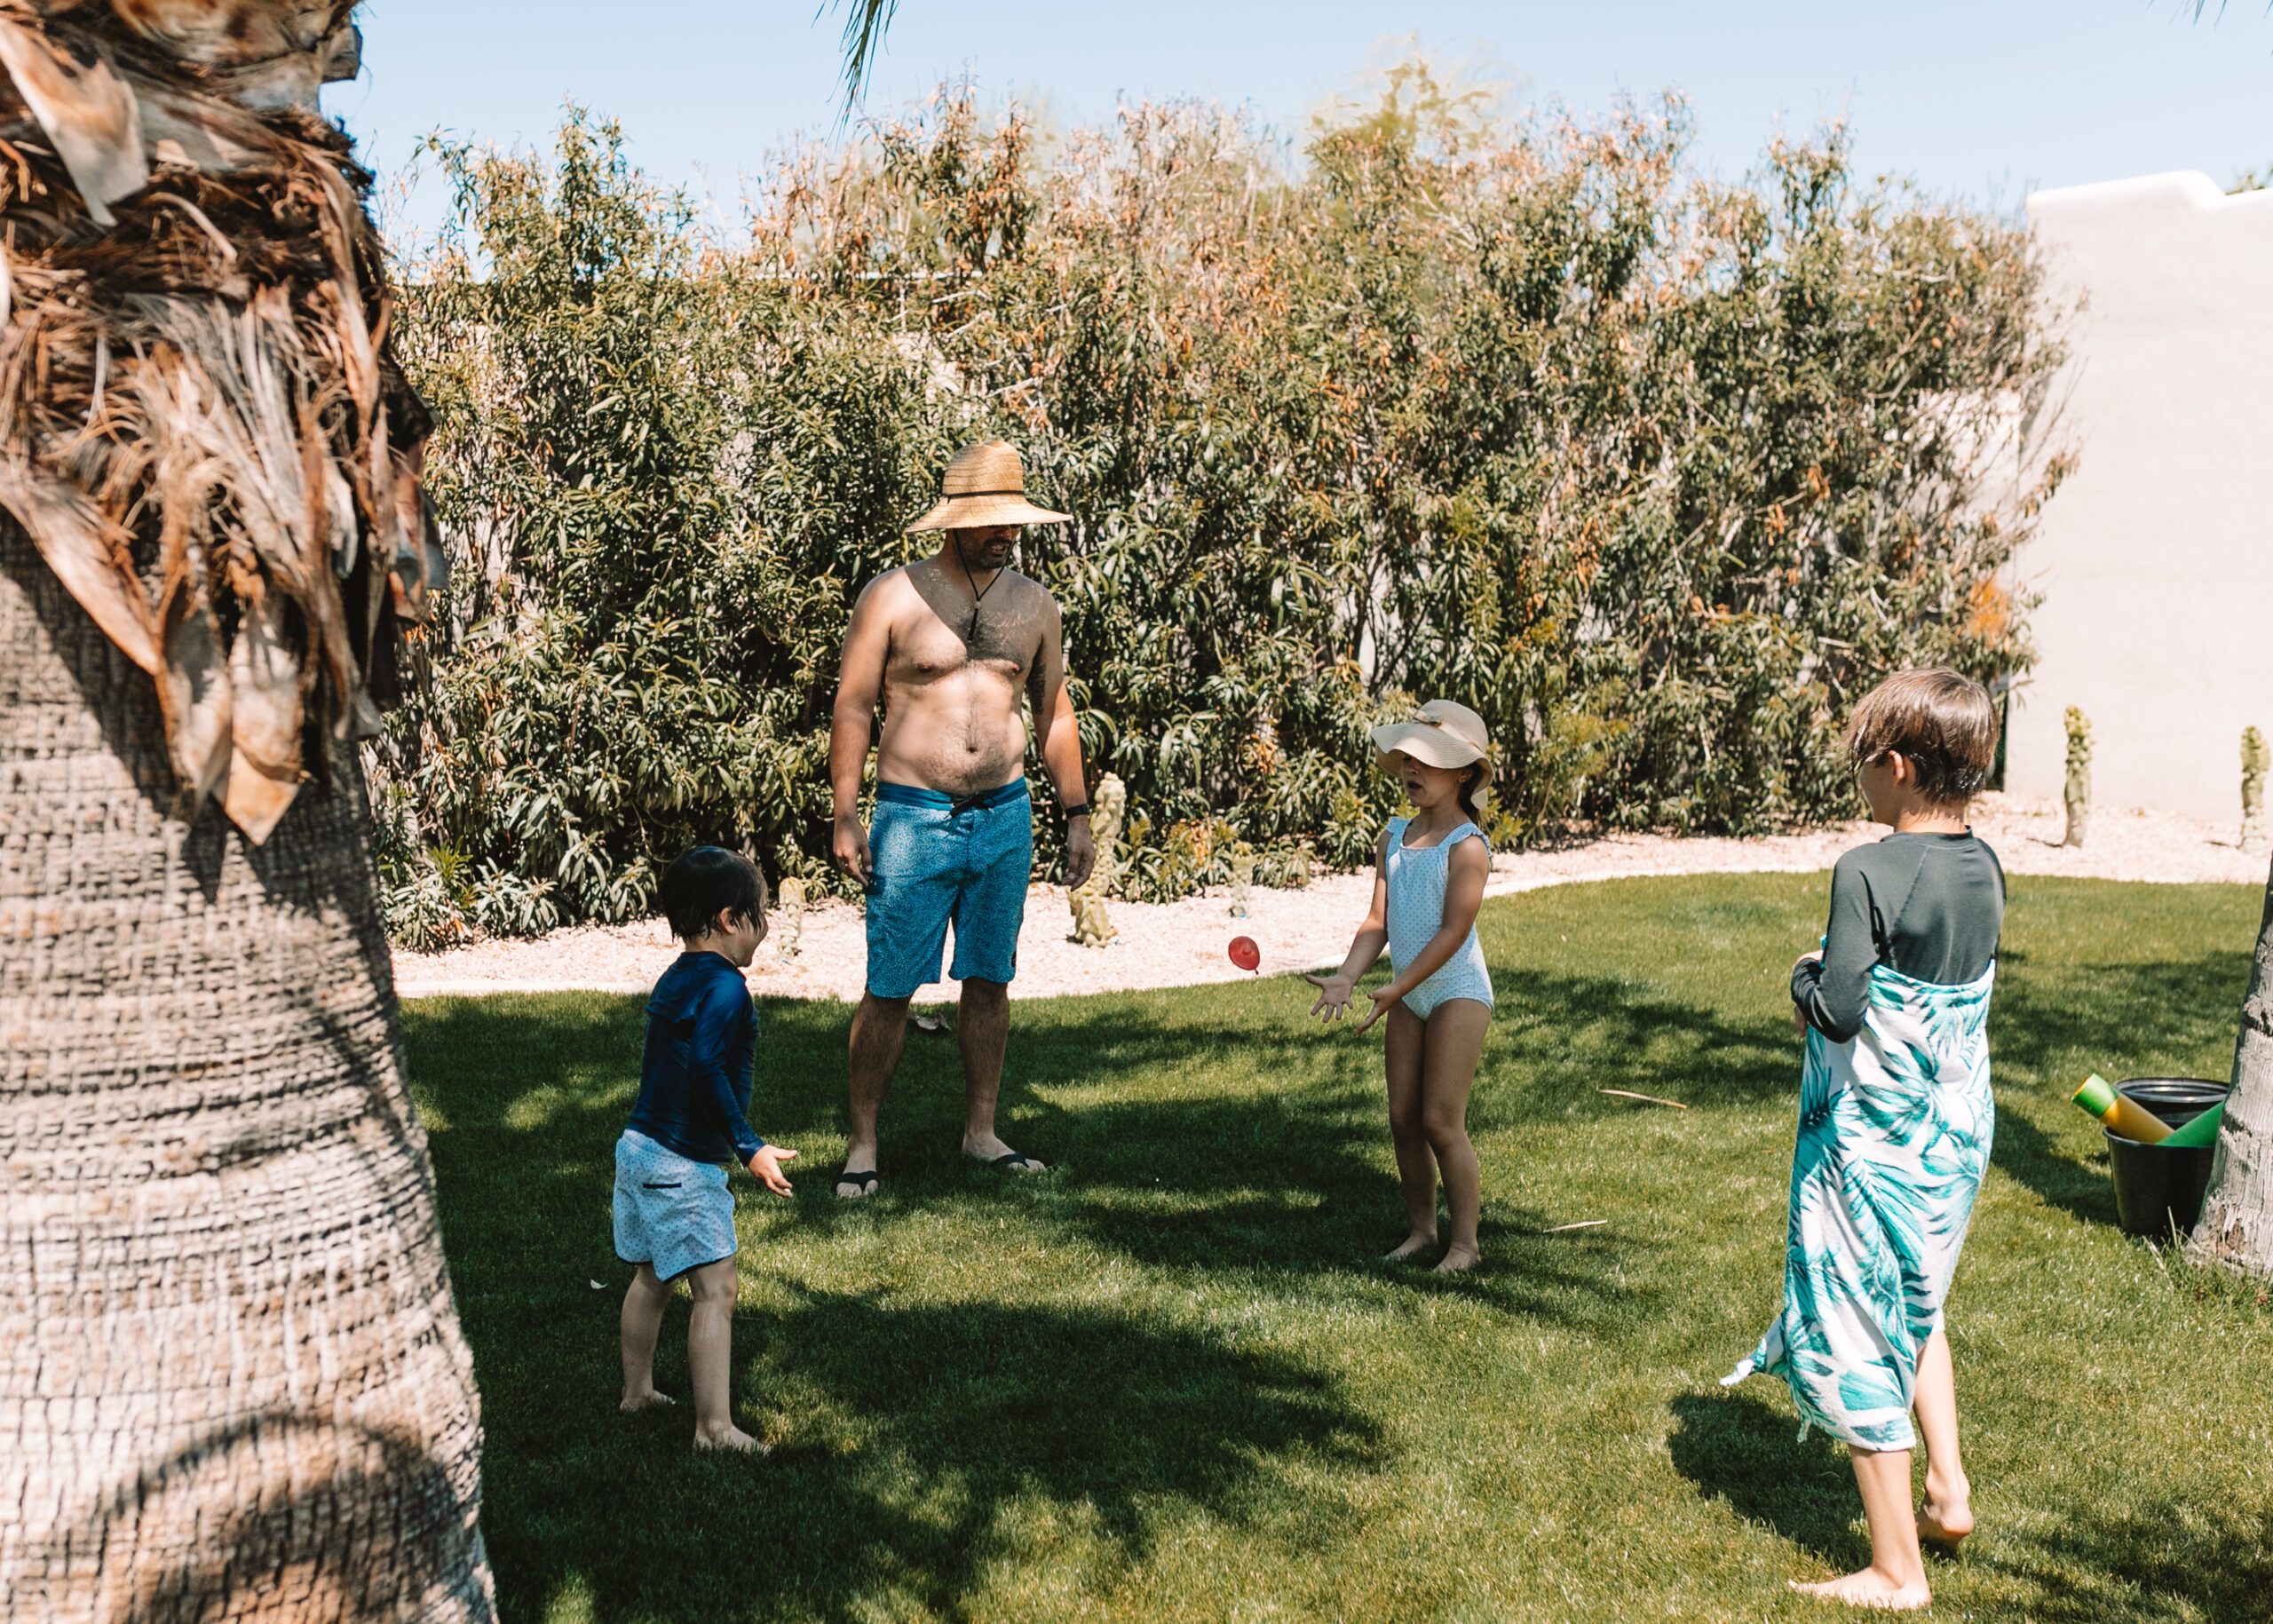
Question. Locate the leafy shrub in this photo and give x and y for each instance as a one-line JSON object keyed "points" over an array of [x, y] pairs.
{"points": [[1659, 473]]}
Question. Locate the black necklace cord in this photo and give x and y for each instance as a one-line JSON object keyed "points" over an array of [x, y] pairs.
{"points": [[977, 597]]}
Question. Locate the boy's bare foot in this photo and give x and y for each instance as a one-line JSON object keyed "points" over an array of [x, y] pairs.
{"points": [[1459, 1260], [1870, 1588], [1944, 1525], [733, 1438], [649, 1400], [1411, 1245]]}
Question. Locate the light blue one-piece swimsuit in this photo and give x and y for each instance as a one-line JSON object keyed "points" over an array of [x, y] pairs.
{"points": [[1416, 912]]}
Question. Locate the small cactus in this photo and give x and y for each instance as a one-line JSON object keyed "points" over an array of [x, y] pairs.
{"points": [[788, 918], [1242, 878], [1093, 926], [2256, 755], [2078, 792]]}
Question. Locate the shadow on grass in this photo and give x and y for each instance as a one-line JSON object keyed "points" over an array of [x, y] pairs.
{"points": [[1283, 1173], [2169, 1560], [1565, 1037], [926, 1442], [1737, 1448]]}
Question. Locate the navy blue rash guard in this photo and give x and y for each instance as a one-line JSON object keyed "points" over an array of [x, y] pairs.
{"points": [[695, 1072]]}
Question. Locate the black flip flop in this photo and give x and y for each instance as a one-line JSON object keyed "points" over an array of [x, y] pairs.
{"points": [[866, 1179], [1015, 1161]]}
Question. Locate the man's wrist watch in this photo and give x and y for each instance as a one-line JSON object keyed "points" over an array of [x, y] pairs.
{"points": [[1071, 812]]}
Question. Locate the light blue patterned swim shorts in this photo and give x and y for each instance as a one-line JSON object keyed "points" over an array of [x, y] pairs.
{"points": [[670, 1212], [938, 859]]}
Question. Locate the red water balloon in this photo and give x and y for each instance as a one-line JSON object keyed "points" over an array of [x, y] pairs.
{"points": [[1245, 953]]}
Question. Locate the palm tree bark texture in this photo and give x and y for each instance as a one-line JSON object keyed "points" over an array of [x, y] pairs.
{"points": [[2236, 1223], [232, 1379]]}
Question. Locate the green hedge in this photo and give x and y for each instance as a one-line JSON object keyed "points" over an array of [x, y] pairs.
{"points": [[1657, 472]]}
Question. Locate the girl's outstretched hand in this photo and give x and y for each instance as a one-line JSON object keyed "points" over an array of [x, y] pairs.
{"points": [[1333, 997], [1384, 1001]]}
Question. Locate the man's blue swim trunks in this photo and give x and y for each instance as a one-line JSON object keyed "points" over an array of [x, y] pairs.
{"points": [[938, 858]]}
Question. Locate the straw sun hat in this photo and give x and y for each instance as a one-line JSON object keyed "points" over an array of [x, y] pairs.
{"points": [[1441, 734], [985, 485]]}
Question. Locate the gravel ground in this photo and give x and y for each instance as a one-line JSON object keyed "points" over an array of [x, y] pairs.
{"points": [[1182, 943]]}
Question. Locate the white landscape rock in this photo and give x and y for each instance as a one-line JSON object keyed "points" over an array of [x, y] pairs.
{"points": [[1183, 944]]}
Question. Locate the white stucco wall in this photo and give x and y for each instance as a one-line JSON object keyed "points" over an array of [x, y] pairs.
{"points": [[2156, 558]]}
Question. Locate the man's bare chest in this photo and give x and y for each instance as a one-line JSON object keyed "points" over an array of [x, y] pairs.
{"points": [[943, 633]]}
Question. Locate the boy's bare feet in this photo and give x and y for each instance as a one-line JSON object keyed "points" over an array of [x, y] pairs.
{"points": [[1944, 1524], [733, 1438], [649, 1400], [1410, 1246], [1459, 1260], [1870, 1588]]}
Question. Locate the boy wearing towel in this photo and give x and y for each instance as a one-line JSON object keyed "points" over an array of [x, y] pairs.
{"points": [[1895, 1119]]}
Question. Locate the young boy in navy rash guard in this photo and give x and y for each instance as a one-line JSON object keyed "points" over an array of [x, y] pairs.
{"points": [[674, 1214]]}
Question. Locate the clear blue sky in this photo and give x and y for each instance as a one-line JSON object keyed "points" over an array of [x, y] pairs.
{"points": [[1985, 98]]}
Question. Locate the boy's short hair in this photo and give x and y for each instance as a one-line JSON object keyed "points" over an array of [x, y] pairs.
{"points": [[702, 881], [1941, 721]]}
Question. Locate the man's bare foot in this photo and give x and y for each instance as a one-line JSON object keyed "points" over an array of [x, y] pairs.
{"points": [[858, 1181], [649, 1400], [994, 1153], [733, 1438], [1410, 1246], [1459, 1260], [1944, 1525], [1870, 1588]]}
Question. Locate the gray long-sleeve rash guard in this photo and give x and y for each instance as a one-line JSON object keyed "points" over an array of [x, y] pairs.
{"points": [[1930, 907]]}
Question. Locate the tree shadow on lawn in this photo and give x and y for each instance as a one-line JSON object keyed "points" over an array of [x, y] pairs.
{"points": [[1286, 1170], [950, 1442], [2169, 1560], [1737, 1448], [1561, 1039]]}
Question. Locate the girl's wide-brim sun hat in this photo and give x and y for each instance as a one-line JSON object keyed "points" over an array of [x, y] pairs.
{"points": [[1442, 735], [985, 485]]}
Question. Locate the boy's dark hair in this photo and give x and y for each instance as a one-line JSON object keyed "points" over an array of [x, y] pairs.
{"points": [[702, 881], [1941, 721]]}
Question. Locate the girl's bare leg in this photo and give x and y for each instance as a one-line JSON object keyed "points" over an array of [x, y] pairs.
{"points": [[642, 1323], [1416, 1169], [1453, 1045], [1897, 1576], [1947, 1516], [710, 1353]]}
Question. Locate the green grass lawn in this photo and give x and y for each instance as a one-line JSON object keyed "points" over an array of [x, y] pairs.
{"points": [[1170, 1382]]}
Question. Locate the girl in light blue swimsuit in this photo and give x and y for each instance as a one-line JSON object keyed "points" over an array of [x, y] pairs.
{"points": [[1429, 872]]}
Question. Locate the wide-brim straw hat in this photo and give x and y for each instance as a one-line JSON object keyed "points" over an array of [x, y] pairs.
{"points": [[1442, 735], [985, 485]]}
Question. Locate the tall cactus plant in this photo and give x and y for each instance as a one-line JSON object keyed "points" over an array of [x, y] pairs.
{"points": [[2256, 755], [2078, 791]]}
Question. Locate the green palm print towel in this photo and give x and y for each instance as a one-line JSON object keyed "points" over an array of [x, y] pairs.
{"points": [[1895, 1128]]}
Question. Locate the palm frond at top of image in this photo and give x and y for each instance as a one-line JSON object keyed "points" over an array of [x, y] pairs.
{"points": [[866, 23]]}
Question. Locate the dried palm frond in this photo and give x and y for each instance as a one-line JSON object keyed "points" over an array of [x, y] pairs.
{"points": [[201, 425]]}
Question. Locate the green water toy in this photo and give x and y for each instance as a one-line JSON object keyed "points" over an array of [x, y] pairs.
{"points": [[2201, 1131], [2125, 1116]]}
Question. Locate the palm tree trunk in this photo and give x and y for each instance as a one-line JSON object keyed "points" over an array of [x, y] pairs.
{"points": [[2236, 1223], [232, 1381]]}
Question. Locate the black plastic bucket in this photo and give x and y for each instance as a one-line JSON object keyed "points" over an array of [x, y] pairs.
{"points": [[2158, 1187]]}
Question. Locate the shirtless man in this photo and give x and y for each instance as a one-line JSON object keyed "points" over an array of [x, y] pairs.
{"points": [[948, 643]]}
